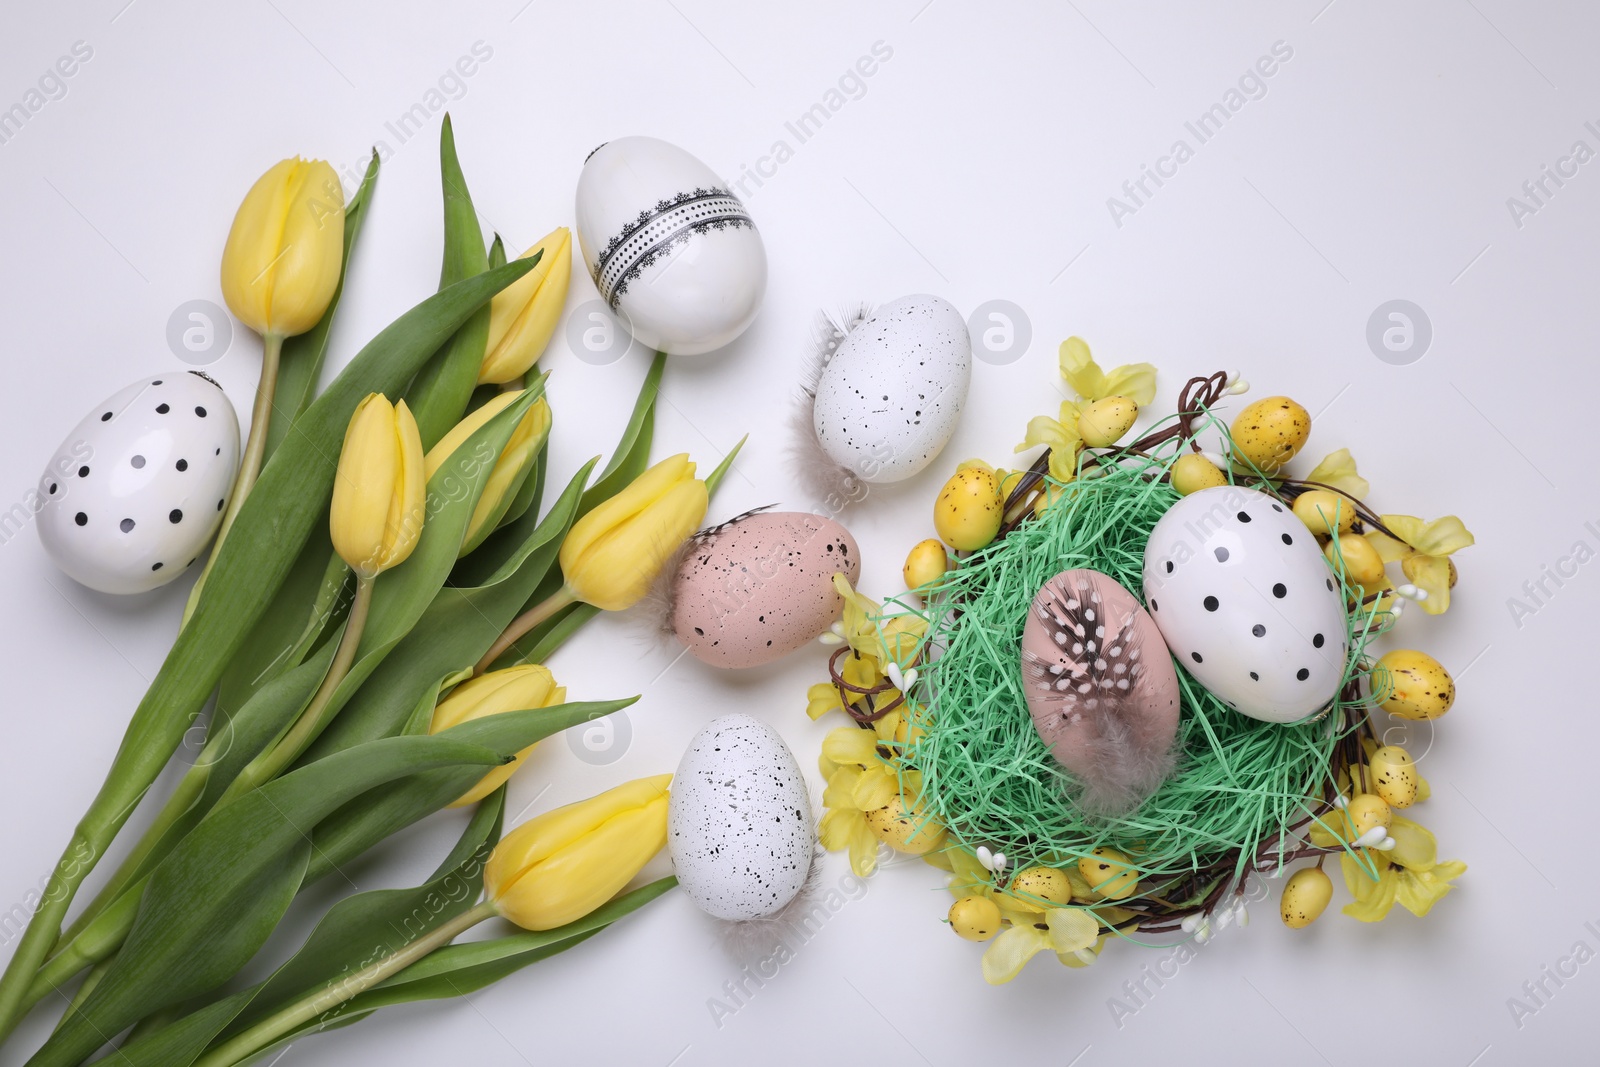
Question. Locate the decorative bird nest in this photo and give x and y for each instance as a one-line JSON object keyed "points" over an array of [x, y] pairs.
{"points": [[978, 790]]}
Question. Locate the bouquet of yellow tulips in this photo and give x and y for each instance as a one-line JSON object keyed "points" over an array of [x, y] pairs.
{"points": [[372, 624]]}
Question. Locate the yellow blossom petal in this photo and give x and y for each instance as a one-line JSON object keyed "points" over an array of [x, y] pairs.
{"points": [[1373, 899], [1431, 574], [1437, 538], [1071, 929], [1136, 381], [1419, 891], [821, 699], [1011, 951], [841, 788], [1338, 471], [876, 787], [1415, 847], [848, 744]]}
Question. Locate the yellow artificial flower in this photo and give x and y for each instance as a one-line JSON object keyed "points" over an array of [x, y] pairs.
{"points": [[379, 492], [282, 261], [523, 315], [558, 867], [1064, 931], [1062, 437], [511, 468], [517, 688], [613, 554], [895, 639], [1136, 381], [1424, 550], [1409, 874], [1338, 471]]}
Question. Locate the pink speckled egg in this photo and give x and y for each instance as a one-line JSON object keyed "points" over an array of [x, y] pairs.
{"points": [[1101, 688], [759, 587]]}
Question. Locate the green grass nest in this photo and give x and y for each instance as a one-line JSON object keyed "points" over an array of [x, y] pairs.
{"points": [[1241, 784]]}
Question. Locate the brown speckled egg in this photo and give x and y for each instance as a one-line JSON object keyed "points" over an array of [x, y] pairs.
{"points": [[1101, 688], [759, 587]]}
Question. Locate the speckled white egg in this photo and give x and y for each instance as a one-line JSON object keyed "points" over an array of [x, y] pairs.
{"points": [[1247, 603], [138, 487], [739, 821], [890, 397], [669, 246]]}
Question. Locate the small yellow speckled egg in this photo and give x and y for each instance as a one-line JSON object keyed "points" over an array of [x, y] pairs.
{"points": [[1193, 472], [1323, 512], [1109, 873], [1419, 687], [926, 562], [1394, 776], [1041, 884], [1305, 897], [1362, 564], [975, 918], [1103, 422], [968, 511], [1269, 432], [1368, 811], [905, 829]]}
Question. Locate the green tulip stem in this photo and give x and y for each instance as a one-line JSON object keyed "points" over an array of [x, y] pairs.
{"points": [[138, 861], [255, 448], [265, 1033], [268, 764], [94, 945], [522, 624]]}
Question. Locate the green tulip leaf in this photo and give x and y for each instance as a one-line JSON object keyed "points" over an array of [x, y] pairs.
{"points": [[632, 456], [458, 969], [714, 479], [440, 393], [220, 893], [368, 819], [541, 642]]}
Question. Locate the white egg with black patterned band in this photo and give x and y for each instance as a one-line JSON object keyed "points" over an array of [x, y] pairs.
{"points": [[670, 248]]}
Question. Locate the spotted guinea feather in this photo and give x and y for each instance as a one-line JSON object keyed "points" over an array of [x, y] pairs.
{"points": [[1089, 685]]}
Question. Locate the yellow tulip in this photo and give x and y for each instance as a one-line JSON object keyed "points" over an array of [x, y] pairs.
{"points": [[513, 465], [379, 493], [523, 315], [558, 867], [615, 552], [281, 263], [514, 689]]}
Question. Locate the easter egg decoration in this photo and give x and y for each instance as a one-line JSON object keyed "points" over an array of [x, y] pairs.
{"points": [[757, 588], [739, 821], [1101, 689], [671, 249], [1247, 603], [886, 396], [137, 489]]}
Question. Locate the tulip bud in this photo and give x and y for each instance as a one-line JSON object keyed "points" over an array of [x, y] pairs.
{"points": [[379, 493], [523, 315], [281, 264], [615, 551], [560, 866], [518, 688], [510, 469]]}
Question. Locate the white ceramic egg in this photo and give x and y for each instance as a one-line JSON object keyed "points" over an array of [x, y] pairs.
{"points": [[670, 248], [739, 820], [136, 490], [1247, 603], [889, 398]]}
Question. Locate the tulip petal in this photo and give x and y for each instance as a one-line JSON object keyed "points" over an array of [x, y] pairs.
{"points": [[364, 485], [541, 837], [523, 316], [408, 506]]}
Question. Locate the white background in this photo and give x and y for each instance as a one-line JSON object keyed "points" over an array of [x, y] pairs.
{"points": [[977, 164]]}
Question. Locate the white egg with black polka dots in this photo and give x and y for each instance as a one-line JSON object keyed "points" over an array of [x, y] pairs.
{"points": [[1247, 603], [138, 488]]}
